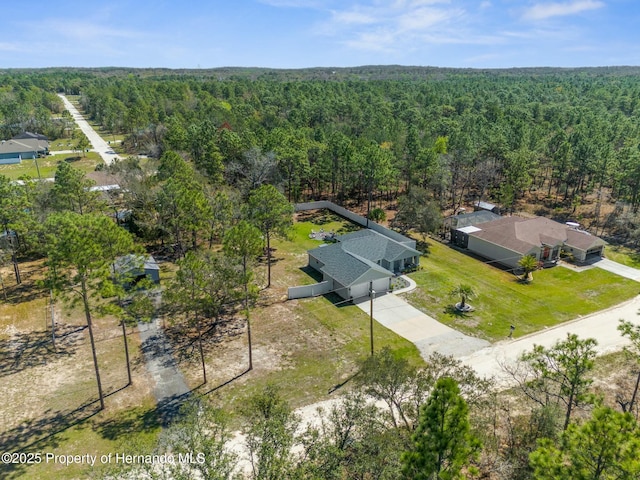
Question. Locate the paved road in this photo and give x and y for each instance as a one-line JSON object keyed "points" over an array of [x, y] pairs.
{"points": [[601, 325], [99, 145], [170, 388]]}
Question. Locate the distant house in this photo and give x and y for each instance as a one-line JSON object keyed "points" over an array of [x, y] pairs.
{"points": [[27, 145], [8, 239], [507, 239], [105, 182], [362, 259], [134, 268]]}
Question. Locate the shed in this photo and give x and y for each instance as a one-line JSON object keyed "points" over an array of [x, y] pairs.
{"points": [[489, 207], [134, 268]]}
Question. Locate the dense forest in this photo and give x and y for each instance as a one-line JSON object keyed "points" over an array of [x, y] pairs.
{"points": [[564, 140], [215, 159]]}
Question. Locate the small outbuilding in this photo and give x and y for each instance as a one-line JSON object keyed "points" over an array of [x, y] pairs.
{"points": [[134, 268], [486, 206], [460, 226]]}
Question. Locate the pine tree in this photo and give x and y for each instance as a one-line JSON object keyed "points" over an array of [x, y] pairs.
{"points": [[443, 443]]}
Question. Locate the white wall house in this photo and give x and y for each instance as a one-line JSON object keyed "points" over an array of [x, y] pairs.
{"points": [[507, 239], [359, 261]]}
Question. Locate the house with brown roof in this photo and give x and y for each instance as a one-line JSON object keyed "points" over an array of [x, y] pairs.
{"points": [[507, 239]]}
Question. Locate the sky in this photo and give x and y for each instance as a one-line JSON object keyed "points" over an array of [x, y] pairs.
{"points": [[319, 33]]}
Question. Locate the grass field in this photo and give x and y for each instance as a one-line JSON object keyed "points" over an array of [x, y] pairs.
{"points": [[623, 255], [556, 294], [47, 166]]}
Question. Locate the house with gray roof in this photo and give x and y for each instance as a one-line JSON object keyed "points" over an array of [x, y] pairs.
{"points": [[360, 260], [507, 239], [27, 145]]}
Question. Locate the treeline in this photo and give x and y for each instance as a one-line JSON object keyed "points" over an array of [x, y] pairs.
{"points": [[567, 140]]}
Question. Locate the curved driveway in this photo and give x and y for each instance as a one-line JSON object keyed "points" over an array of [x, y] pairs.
{"points": [[99, 145], [430, 336], [424, 331]]}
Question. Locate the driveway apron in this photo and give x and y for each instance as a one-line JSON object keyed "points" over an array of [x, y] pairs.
{"points": [[425, 332]]}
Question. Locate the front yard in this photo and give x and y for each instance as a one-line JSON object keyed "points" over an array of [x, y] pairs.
{"points": [[555, 295], [306, 347], [49, 394], [47, 165]]}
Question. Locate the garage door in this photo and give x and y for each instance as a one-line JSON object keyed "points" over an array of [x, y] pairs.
{"points": [[594, 252], [361, 290], [380, 286]]}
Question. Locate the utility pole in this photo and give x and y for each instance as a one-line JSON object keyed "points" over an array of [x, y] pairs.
{"points": [[53, 321], [371, 295]]}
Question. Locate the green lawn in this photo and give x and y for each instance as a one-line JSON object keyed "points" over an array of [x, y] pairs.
{"points": [[48, 165], [555, 295], [131, 431], [623, 255], [326, 220], [314, 349], [313, 344]]}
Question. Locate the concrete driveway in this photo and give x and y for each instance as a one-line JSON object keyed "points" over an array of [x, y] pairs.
{"points": [[618, 269], [425, 332], [430, 336]]}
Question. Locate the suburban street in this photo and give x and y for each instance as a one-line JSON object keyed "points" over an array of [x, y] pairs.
{"points": [[601, 326], [99, 145]]}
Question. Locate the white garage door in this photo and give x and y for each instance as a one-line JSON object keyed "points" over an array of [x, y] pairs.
{"points": [[380, 286]]}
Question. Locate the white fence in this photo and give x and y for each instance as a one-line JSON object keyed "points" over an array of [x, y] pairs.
{"points": [[314, 290], [359, 219]]}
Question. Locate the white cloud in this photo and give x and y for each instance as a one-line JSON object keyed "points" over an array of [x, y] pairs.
{"points": [[400, 27], [542, 11], [81, 29], [426, 18], [378, 25], [377, 41], [9, 47], [354, 17]]}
